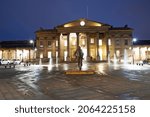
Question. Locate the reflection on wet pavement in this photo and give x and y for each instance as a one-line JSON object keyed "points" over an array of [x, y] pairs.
{"points": [[110, 81], [128, 96]]}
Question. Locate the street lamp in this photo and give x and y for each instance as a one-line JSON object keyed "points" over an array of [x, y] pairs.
{"points": [[133, 41], [32, 42]]}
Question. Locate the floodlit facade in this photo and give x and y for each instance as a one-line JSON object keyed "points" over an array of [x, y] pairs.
{"points": [[97, 40], [141, 50], [22, 50]]}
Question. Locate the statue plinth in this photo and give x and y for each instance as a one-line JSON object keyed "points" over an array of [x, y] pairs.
{"points": [[79, 72]]}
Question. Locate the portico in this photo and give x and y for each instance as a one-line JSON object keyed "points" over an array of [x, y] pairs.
{"points": [[89, 43]]}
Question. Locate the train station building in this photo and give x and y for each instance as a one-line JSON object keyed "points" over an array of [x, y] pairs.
{"points": [[99, 42]]}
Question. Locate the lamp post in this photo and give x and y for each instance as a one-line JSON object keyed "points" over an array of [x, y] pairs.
{"points": [[133, 41], [31, 42]]}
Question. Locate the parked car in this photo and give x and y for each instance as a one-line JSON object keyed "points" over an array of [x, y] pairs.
{"points": [[16, 61], [4, 62], [147, 61], [11, 61]]}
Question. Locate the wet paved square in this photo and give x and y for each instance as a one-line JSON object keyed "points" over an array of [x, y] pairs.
{"points": [[110, 82]]}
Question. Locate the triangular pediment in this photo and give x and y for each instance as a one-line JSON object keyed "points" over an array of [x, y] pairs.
{"points": [[83, 22]]}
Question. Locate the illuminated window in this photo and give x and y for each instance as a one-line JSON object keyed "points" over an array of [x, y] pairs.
{"points": [[73, 37], [100, 42], [65, 42], [117, 53], [56, 43], [92, 40], [109, 42], [41, 44], [41, 55], [49, 54]]}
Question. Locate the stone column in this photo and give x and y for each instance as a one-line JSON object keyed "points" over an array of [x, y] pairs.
{"points": [[59, 50], [88, 47], [8, 51], [139, 53], [29, 55], [22, 56], [68, 47], [53, 50], [77, 39], [45, 52], [97, 47], [147, 53], [38, 49], [107, 46], [15, 54]]}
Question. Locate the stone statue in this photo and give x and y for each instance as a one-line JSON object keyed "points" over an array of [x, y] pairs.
{"points": [[79, 56]]}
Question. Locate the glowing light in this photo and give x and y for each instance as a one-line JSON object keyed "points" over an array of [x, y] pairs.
{"points": [[100, 53], [98, 25], [134, 39], [82, 23], [31, 41], [56, 43], [67, 25], [49, 54], [100, 42], [109, 42], [73, 42], [92, 40], [83, 42], [65, 55], [84, 53], [73, 35], [41, 55]]}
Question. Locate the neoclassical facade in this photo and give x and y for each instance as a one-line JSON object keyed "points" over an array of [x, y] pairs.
{"points": [[20, 49], [97, 40], [141, 50]]}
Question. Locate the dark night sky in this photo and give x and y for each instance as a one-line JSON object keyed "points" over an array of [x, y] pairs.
{"points": [[19, 19]]}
